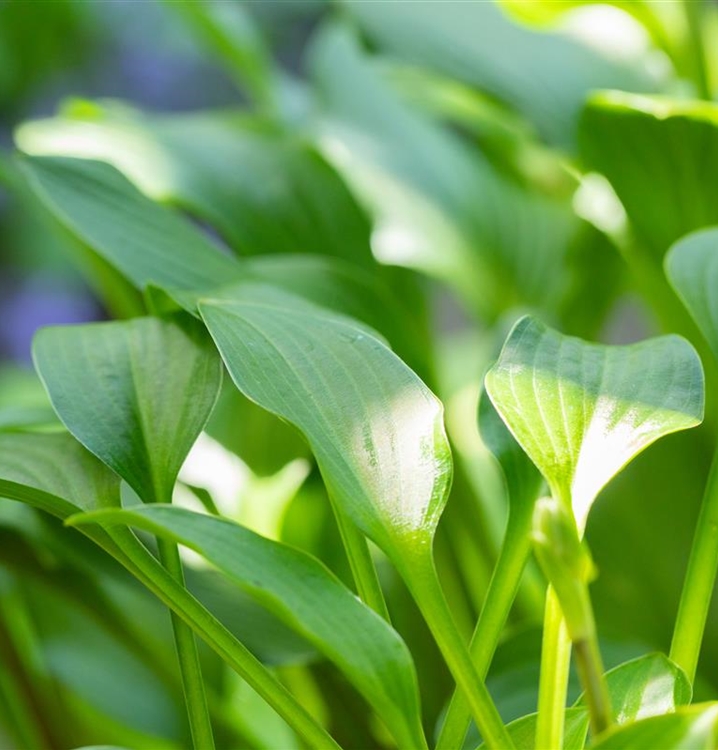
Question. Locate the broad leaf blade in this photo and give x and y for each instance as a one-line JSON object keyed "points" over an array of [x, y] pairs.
{"points": [[689, 728], [375, 428], [692, 268], [135, 393], [307, 596], [671, 145], [582, 411], [264, 192], [147, 243], [651, 685], [545, 76]]}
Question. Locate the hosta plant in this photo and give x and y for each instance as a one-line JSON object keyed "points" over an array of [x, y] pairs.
{"points": [[394, 427]]}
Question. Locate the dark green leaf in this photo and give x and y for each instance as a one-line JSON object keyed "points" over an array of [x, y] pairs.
{"points": [[135, 393], [307, 596]]}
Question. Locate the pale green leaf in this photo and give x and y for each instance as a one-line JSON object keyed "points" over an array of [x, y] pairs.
{"points": [[689, 728], [374, 427], [669, 144], [438, 205], [305, 595], [135, 393], [692, 268], [651, 685], [582, 411], [545, 76]]}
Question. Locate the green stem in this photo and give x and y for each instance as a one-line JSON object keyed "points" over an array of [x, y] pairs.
{"points": [[590, 671], [422, 580], [499, 600], [188, 658], [699, 582], [693, 12], [553, 683], [361, 563], [141, 563]]}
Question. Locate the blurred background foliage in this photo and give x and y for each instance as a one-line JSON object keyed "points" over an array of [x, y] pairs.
{"points": [[434, 169]]}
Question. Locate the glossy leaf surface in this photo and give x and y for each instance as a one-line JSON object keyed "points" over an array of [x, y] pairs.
{"points": [[135, 393], [689, 728], [692, 268], [307, 596], [651, 685], [375, 428], [582, 411]]}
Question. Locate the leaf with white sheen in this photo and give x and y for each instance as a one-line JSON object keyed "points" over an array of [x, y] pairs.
{"points": [[689, 728], [651, 685], [692, 268], [306, 596], [136, 393], [582, 411], [374, 427]]}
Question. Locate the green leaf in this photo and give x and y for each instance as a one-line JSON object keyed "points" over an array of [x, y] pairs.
{"points": [[582, 411], [651, 685], [147, 243], [438, 205], [523, 731], [689, 728], [671, 145], [135, 393], [545, 76], [307, 596], [374, 427], [23, 401], [692, 268], [523, 481], [264, 192], [54, 473]]}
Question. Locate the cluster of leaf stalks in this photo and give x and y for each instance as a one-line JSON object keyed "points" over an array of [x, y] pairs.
{"points": [[413, 507]]}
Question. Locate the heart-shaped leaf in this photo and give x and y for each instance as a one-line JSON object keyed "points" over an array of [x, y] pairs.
{"points": [[375, 428], [307, 596], [582, 411], [689, 728], [651, 685], [136, 393], [692, 268]]}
